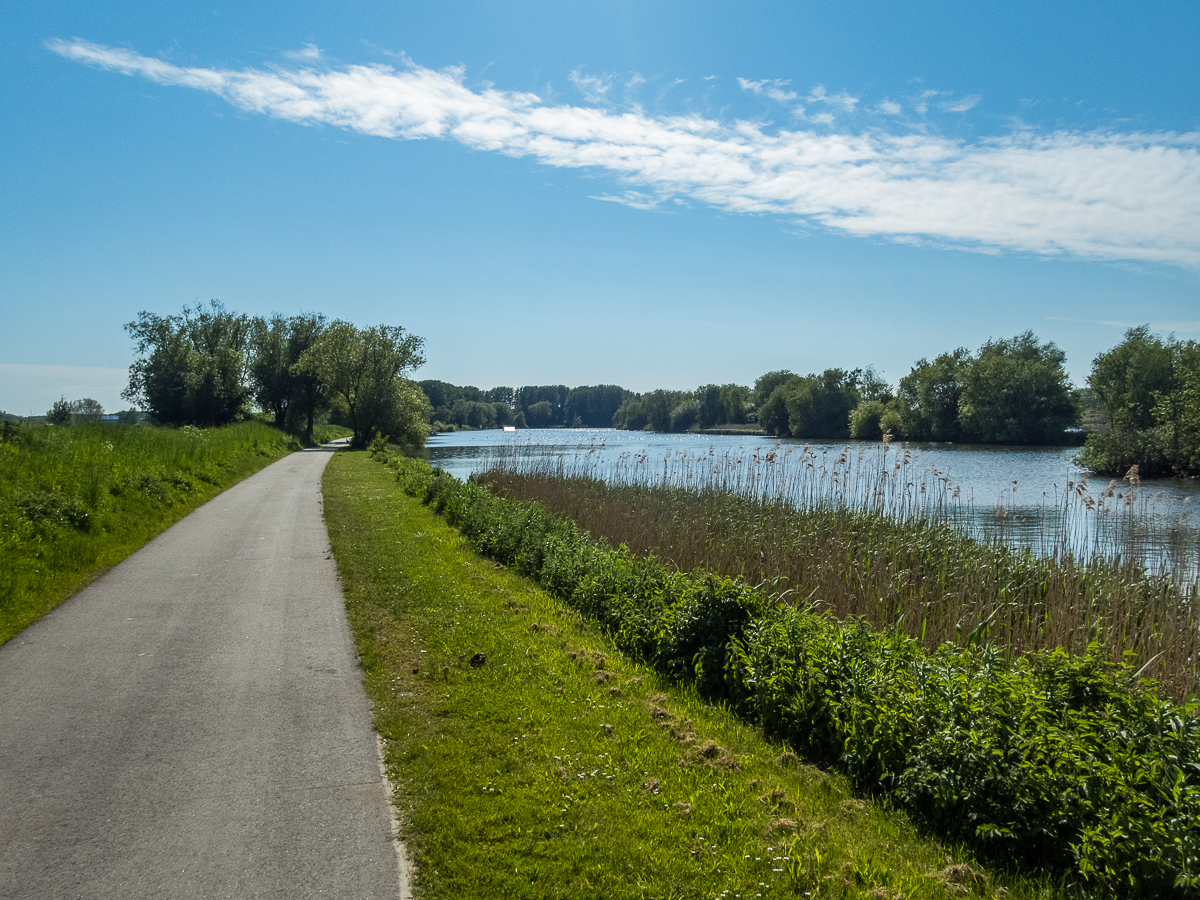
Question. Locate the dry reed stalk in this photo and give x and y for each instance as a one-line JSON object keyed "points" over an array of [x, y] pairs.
{"points": [[876, 536]]}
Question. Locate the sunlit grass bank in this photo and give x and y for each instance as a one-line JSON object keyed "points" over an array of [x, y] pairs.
{"points": [[76, 500], [534, 759], [874, 538], [1054, 762]]}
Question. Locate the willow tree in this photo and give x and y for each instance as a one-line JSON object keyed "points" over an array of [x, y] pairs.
{"points": [[365, 369], [193, 366]]}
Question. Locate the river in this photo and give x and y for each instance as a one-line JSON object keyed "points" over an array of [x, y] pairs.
{"points": [[1026, 496]]}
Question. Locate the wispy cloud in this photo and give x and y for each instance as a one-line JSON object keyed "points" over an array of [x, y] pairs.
{"points": [[636, 199], [844, 100], [961, 106], [306, 53], [1157, 327], [1100, 195], [594, 88], [775, 89]]}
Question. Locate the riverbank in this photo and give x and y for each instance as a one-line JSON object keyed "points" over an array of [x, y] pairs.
{"points": [[533, 759], [1055, 762]]}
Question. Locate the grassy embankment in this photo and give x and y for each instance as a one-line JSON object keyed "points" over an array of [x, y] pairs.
{"points": [[561, 768], [880, 537], [76, 500], [1055, 762]]}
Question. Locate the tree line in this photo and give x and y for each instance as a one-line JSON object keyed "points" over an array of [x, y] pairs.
{"points": [[209, 366], [532, 406]]}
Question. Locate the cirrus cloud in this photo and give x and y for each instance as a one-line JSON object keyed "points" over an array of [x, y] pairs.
{"points": [[1098, 195]]}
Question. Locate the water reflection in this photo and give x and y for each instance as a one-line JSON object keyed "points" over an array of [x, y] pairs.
{"points": [[1025, 496]]}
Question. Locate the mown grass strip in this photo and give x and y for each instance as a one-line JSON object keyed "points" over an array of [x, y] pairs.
{"points": [[531, 759], [75, 501]]}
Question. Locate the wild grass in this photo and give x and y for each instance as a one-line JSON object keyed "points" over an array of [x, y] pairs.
{"points": [[557, 767], [877, 537], [75, 500]]}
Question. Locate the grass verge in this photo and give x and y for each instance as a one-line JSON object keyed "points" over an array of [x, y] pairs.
{"points": [[75, 501], [531, 759]]}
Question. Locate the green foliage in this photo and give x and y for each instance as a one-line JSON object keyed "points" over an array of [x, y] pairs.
{"points": [[773, 412], [60, 412], [593, 406], [865, 421], [819, 406], [540, 414], [1068, 764], [292, 396], [765, 385], [929, 397], [1016, 392], [685, 415], [193, 367], [86, 410], [364, 368], [1150, 391]]}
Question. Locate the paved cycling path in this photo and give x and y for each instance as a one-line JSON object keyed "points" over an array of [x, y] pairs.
{"points": [[193, 724]]}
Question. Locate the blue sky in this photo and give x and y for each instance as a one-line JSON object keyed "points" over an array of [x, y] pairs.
{"points": [[648, 194]]}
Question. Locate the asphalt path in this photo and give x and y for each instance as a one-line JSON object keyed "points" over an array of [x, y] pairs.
{"points": [[193, 724]]}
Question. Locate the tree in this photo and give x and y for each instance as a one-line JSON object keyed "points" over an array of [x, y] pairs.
{"points": [[733, 403], [631, 415], [594, 405], [1150, 392], [709, 409], [364, 368], [658, 406], [819, 406], [866, 420], [554, 394], [765, 385], [1017, 392], [1128, 377], [685, 415], [293, 396], [540, 414], [194, 366], [929, 397], [86, 410], [60, 412], [773, 413]]}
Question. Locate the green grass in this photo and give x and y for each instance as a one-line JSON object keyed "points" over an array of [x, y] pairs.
{"points": [[559, 768], [76, 500]]}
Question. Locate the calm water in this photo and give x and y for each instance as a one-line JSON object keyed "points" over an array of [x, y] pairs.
{"points": [[1019, 494]]}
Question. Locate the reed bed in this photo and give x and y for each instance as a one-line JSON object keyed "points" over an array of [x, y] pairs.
{"points": [[878, 536]]}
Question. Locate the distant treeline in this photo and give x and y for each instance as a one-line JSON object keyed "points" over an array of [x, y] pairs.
{"points": [[1141, 406], [532, 406]]}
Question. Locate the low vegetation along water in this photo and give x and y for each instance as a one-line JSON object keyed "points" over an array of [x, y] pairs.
{"points": [[1071, 763], [1034, 497]]}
